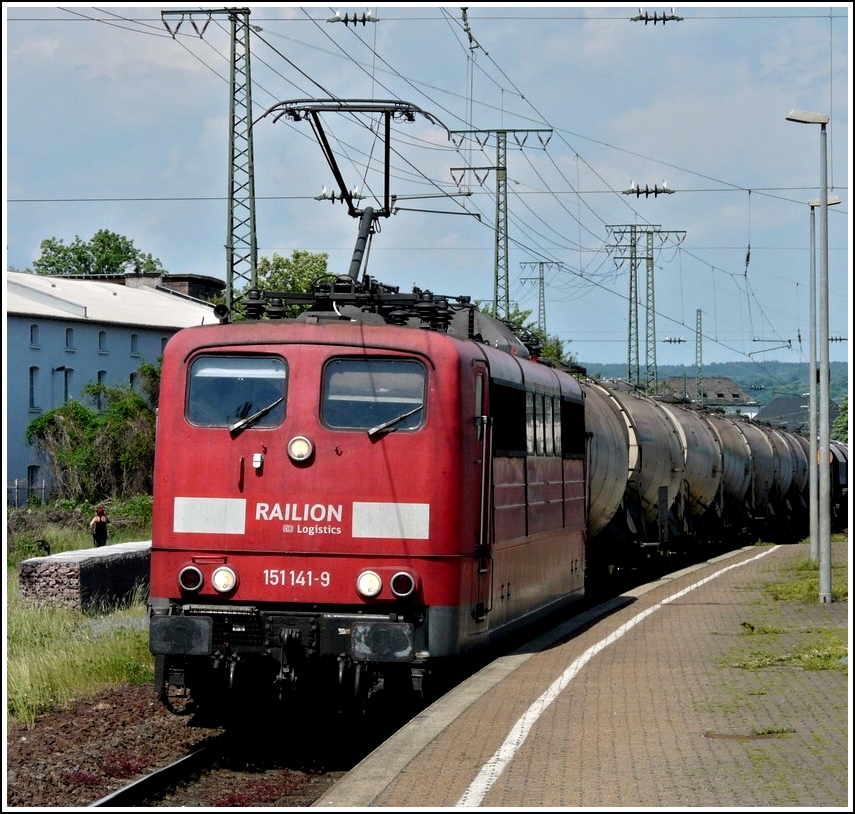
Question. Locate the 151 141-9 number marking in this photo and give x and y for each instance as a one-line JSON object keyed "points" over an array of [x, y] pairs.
{"points": [[282, 576]]}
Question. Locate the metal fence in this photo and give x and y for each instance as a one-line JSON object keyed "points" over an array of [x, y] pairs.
{"points": [[20, 492]]}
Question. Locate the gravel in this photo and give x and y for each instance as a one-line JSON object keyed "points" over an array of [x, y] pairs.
{"points": [[77, 755]]}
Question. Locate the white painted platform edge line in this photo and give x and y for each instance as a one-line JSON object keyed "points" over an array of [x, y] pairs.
{"points": [[492, 770]]}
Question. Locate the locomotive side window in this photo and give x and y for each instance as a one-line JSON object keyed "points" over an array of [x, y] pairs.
{"points": [[572, 418], [223, 390], [508, 407], [530, 423], [555, 417], [547, 426], [373, 394]]}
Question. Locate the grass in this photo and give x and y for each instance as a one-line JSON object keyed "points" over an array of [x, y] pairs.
{"points": [[780, 731], [823, 650], [50, 657], [816, 649], [803, 585]]}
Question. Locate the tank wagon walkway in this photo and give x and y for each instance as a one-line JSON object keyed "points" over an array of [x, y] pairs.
{"points": [[648, 701]]}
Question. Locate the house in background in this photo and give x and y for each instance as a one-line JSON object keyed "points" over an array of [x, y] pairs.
{"points": [[716, 392], [64, 333], [793, 413]]}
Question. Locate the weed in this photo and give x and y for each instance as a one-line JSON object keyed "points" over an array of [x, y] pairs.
{"points": [[121, 764], [750, 629], [775, 730], [804, 585], [826, 650]]}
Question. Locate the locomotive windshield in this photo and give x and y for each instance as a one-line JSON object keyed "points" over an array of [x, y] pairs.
{"points": [[373, 394], [237, 391]]}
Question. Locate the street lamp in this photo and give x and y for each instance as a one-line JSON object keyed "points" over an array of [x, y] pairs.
{"points": [[815, 509], [804, 117]]}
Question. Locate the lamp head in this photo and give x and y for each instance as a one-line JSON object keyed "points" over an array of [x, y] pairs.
{"points": [[830, 201], [805, 117]]}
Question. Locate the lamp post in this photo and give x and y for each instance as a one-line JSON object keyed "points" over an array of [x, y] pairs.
{"points": [[804, 117], [815, 509]]}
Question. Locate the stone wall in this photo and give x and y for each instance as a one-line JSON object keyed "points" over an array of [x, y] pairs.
{"points": [[94, 579]]}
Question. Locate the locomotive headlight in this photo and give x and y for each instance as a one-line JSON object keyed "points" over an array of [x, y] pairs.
{"points": [[300, 449], [403, 584], [190, 578], [224, 579], [368, 583]]}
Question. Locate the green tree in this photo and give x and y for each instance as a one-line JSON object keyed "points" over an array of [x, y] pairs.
{"points": [[840, 428], [297, 273], [520, 322], [97, 454], [105, 254]]}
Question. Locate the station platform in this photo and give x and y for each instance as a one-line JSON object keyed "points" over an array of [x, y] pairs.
{"points": [[690, 692]]}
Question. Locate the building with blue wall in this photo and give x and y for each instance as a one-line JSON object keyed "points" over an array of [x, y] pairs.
{"points": [[64, 333]]}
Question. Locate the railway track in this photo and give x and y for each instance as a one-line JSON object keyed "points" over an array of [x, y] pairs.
{"points": [[220, 773], [157, 783], [268, 762]]}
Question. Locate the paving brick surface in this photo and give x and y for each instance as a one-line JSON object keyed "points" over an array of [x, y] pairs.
{"points": [[669, 712]]}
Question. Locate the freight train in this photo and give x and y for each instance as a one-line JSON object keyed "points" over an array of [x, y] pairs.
{"points": [[358, 496]]}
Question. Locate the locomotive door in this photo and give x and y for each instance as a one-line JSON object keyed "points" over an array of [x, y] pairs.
{"points": [[484, 548]]}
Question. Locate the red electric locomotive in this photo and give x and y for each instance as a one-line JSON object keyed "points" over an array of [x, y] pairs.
{"points": [[343, 501]]}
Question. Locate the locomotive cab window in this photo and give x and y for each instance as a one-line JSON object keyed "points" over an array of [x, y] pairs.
{"points": [[223, 390], [382, 395]]}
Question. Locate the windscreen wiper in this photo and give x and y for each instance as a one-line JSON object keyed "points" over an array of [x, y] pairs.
{"points": [[251, 419], [392, 421]]}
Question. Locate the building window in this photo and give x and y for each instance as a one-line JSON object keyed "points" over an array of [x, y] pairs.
{"points": [[34, 335], [69, 338], [66, 385], [35, 486], [102, 380], [134, 379], [102, 341], [34, 388], [135, 345]]}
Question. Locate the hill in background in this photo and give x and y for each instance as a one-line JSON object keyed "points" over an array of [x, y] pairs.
{"points": [[761, 382]]}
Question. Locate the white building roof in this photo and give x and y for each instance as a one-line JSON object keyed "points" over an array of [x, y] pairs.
{"points": [[37, 295]]}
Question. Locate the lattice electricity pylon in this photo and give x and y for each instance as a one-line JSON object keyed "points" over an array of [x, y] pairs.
{"points": [[241, 244], [501, 296]]}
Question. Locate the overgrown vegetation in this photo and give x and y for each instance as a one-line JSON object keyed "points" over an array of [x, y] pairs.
{"points": [[50, 655], [35, 531], [825, 650], [803, 586], [814, 649], [105, 451], [51, 659]]}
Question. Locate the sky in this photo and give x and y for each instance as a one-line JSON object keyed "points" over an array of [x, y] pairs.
{"points": [[116, 118]]}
